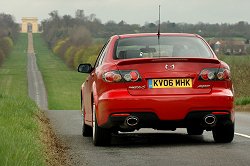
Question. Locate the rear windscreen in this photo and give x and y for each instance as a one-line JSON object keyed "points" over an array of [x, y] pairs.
{"points": [[165, 46]]}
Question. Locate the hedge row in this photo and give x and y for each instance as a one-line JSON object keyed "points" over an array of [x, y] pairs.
{"points": [[74, 55], [6, 45]]}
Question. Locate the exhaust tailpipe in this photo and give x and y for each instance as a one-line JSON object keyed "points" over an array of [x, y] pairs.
{"points": [[210, 119], [132, 121]]}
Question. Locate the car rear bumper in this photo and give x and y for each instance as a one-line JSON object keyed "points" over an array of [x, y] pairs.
{"points": [[153, 111], [150, 120]]}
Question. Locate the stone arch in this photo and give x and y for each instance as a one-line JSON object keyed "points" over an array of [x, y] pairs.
{"points": [[29, 24]]}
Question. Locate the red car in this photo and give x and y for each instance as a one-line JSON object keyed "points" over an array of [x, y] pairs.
{"points": [[161, 81]]}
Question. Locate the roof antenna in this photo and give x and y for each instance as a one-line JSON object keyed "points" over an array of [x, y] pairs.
{"points": [[159, 25], [159, 31]]}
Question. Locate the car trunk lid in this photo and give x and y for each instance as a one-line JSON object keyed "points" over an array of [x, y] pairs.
{"points": [[168, 76]]}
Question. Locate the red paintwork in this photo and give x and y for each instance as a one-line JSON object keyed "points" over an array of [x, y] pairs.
{"points": [[168, 104]]}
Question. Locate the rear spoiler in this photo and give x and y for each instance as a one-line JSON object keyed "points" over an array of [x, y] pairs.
{"points": [[161, 60]]}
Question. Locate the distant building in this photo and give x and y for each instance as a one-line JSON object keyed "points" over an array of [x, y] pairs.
{"points": [[29, 24], [228, 46], [234, 47]]}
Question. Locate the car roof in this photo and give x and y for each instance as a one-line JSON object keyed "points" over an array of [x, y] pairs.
{"points": [[155, 34]]}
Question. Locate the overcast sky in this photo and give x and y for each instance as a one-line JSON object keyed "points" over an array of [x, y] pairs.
{"points": [[135, 11]]}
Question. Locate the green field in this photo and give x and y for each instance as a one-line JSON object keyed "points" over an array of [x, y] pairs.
{"points": [[19, 132], [62, 84], [241, 77]]}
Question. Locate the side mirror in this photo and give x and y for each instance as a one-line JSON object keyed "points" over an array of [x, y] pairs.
{"points": [[85, 68]]}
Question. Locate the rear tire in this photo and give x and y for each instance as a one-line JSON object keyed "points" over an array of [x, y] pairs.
{"points": [[195, 131], [101, 136], [223, 134], [86, 130]]}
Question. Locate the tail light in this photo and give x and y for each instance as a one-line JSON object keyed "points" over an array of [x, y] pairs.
{"points": [[121, 76], [213, 74], [112, 77]]}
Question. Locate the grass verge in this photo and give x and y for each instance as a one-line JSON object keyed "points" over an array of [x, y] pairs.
{"points": [[20, 142], [62, 84]]}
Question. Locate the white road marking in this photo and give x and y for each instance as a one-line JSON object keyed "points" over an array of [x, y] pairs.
{"points": [[242, 135]]}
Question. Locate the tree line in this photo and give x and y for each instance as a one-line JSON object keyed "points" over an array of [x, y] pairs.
{"points": [[9, 31], [78, 39]]}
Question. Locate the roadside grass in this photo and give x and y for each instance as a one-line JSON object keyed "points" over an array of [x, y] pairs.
{"points": [[241, 77], [19, 132], [62, 84], [243, 101]]}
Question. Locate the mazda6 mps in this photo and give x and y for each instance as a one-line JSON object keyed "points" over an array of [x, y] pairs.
{"points": [[160, 81]]}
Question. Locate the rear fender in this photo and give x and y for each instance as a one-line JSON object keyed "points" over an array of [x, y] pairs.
{"points": [[81, 99], [82, 94], [95, 98]]}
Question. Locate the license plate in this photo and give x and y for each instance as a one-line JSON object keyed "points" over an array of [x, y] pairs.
{"points": [[170, 83]]}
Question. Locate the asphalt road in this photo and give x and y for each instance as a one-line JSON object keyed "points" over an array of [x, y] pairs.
{"points": [[35, 81], [146, 147], [149, 147]]}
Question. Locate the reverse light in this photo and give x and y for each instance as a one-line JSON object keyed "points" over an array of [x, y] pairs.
{"points": [[214, 74], [121, 76]]}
